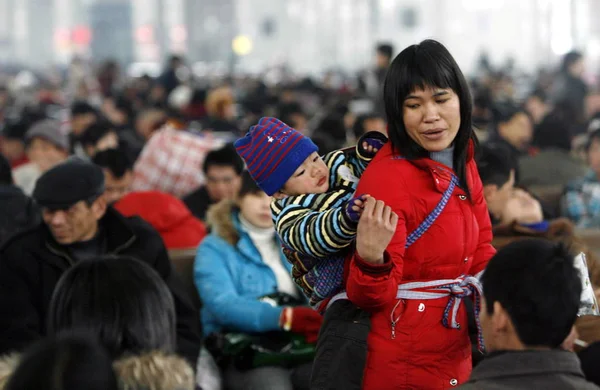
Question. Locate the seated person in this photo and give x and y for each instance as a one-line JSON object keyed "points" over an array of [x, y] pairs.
{"points": [[552, 162], [514, 132], [581, 202], [125, 305], [517, 215], [12, 141], [238, 263], [532, 293], [78, 226], [99, 136], [17, 211], [73, 361], [46, 146], [222, 170], [118, 173]]}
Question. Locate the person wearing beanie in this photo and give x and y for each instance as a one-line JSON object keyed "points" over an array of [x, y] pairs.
{"points": [[78, 225], [314, 206], [46, 146]]}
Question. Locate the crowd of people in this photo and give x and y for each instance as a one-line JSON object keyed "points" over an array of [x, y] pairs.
{"points": [[408, 228]]}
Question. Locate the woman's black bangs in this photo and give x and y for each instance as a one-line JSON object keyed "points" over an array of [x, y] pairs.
{"points": [[427, 70]]}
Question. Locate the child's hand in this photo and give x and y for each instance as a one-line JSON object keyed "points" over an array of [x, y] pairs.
{"points": [[354, 207], [372, 145]]}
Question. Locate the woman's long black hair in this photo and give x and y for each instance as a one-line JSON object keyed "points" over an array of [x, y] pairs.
{"points": [[428, 64]]}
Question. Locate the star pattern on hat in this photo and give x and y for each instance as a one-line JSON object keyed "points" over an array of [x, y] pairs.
{"points": [[271, 139]]}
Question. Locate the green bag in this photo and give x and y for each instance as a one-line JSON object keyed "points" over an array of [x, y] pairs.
{"points": [[246, 351]]}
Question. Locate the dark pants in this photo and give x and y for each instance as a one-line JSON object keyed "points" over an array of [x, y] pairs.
{"points": [[342, 348]]}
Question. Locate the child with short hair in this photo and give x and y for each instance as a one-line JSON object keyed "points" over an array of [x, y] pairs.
{"points": [[315, 208]]}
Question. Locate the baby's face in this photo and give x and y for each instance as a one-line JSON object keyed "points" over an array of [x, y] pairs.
{"points": [[312, 177]]}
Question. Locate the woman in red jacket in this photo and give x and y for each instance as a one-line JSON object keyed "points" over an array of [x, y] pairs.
{"points": [[426, 175]]}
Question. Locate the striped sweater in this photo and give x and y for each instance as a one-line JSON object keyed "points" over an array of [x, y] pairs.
{"points": [[315, 230]]}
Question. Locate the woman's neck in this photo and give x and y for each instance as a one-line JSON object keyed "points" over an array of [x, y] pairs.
{"points": [[255, 232], [445, 156]]}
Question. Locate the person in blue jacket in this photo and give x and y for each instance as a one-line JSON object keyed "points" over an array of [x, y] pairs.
{"points": [[238, 263]]}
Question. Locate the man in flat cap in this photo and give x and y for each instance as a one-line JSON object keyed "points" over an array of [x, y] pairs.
{"points": [[77, 226]]}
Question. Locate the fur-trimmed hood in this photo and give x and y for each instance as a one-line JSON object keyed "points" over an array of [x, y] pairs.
{"points": [[220, 219], [154, 371], [150, 371], [8, 364]]}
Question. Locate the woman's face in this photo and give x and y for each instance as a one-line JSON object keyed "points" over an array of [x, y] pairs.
{"points": [[255, 208], [432, 117]]}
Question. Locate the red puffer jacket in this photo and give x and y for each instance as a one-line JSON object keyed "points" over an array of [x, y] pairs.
{"points": [[423, 354], [171, 218]]}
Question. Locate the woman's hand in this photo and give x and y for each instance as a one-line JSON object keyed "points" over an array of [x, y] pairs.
{"points": [[376, 228]]}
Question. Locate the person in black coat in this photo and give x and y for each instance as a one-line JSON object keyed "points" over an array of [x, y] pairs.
{"points": [[17, 210], [223, 171], [78, 226]]}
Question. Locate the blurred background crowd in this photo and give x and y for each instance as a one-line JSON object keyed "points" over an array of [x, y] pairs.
{"points": [[148, 96]]}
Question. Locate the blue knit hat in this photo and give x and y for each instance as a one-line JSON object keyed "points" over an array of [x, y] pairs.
{"points": [[273, 151]]}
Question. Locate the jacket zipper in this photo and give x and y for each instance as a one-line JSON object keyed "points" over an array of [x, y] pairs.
{"points": [[61, 254], [70, 260], [125, 246]]}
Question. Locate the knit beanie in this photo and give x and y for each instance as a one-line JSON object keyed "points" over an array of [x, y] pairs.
{"points": [[272, 152]]}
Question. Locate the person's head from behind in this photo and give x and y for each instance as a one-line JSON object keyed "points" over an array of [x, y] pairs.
{"points": [[64, 363], [119, 300], [428, 104], [118, 173], [148, 121], [282, 161], [72, 201], [334, 128], [573, 64], [294, 116], [220, 103], [554, 132], [223, 171], [46, 144], [497, 176], [536, 105], [384, 53], [82, 116], [253, 203], [368, 122], [99, 136], [6, 177], [13, 139], [119, 110], [175, 61], [531, 298], [514, 125]]}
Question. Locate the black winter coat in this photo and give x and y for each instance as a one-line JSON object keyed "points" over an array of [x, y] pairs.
{"points": [[17, 212], [32, 263]]}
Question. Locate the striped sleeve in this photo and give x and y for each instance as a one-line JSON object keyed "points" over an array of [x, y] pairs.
{"points": [[314, 233], [357, 159]]}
